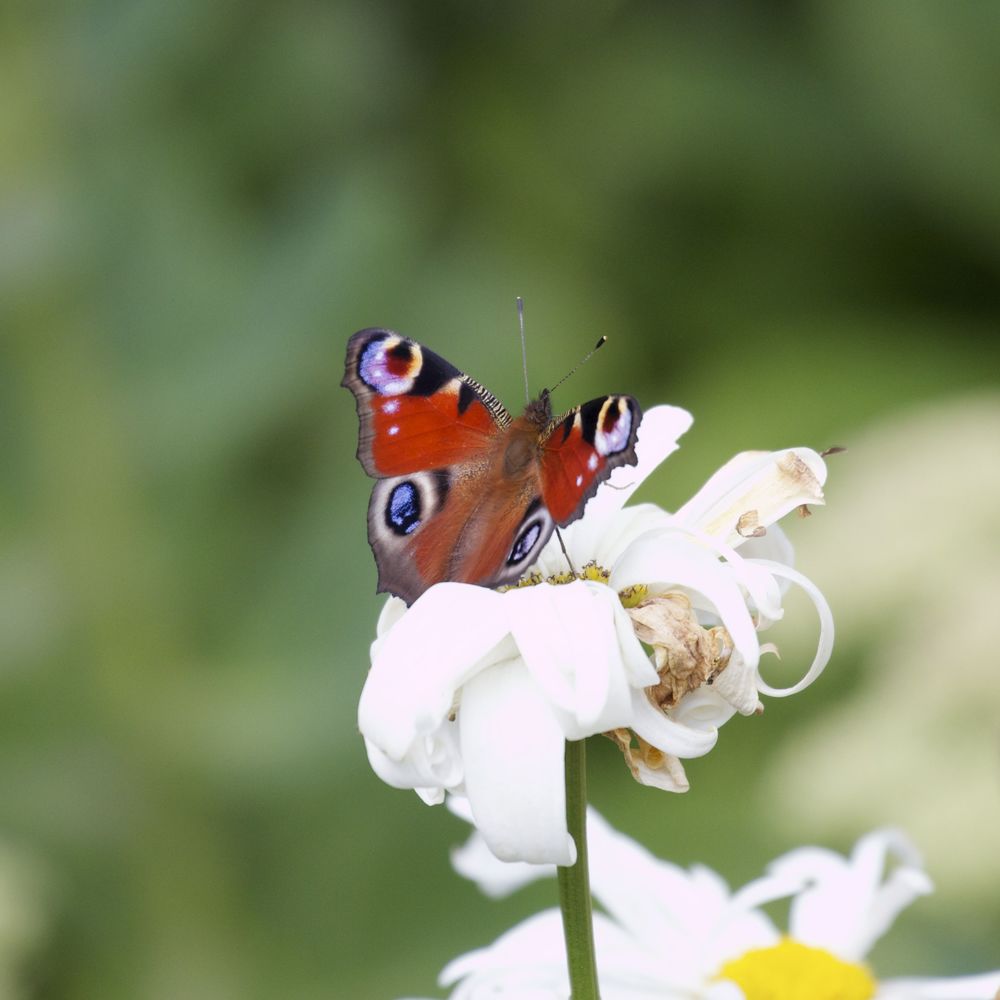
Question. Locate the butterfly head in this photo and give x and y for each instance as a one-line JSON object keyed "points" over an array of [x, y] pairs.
{"points": [[539, 411]]}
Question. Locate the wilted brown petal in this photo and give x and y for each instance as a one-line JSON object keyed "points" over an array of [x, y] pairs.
{"points": [[686, 654]]}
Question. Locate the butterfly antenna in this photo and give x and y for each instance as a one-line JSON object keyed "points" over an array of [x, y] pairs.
{"points": [[562, 545], [524, 348], [589, 355]]}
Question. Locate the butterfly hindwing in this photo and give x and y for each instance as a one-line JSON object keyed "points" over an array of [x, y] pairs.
{"points": [[582, 448], [416, 410], [454, 524]]}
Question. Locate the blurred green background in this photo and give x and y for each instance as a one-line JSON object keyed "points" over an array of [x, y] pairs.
{"points": [[787, 219]]}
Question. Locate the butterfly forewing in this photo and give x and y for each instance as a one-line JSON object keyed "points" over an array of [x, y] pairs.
{"points": [[416, 410], [582, 449]]}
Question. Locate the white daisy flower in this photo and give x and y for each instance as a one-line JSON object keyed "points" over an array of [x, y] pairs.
{"points": [[671, 932], [474, 692]]}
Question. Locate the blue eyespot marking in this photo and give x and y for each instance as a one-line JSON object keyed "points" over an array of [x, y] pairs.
{"points": [[402, 512], [524, 544], [386, 370]]}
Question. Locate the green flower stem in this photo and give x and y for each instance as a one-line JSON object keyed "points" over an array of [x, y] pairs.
{"points": [[574, 882]]}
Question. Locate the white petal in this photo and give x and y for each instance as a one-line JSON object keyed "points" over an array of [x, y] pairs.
{"points": [[568, 638], [603, 540], [434, 763], [985, 986], [530, 950], [513, 747], [845, 905], [737, 684], [664, 733], [494, 878], [658, 433], [761, 587], [430, 795], [392, 611], [638, 668], [824, 647], [685, 919], [768, 483], [767, 889], [723, 991], [445, 637], [650, 898], [774, 545], [890, 893], [674, 928], [703, 709], [529, 963], [670, 776]]}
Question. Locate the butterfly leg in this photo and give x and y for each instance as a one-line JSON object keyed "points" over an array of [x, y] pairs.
{"points": [[562, 545]]}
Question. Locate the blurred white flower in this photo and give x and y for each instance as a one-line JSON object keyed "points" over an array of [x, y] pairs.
{"points": [[914, 573], [670, 932], [474, 692]]}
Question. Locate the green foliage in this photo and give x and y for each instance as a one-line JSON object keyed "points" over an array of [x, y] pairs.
{"points": [[786, 218]]}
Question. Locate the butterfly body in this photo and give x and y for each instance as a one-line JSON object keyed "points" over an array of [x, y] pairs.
{"points": [[464, 491]]}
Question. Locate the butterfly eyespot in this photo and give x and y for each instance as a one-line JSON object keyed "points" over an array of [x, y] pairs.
{"points": [[402, 512], [525, 543], [614, 426], [534, 531], [390, 365]]}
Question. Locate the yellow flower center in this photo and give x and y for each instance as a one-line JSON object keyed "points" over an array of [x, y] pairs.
{"points": [[793, 971], [593, 572], [633, 596]]}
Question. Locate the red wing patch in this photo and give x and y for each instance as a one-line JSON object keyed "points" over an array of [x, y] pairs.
{"points": [[416, 410]]}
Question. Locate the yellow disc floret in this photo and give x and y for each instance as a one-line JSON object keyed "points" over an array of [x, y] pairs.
{"points": [[793, 971]]}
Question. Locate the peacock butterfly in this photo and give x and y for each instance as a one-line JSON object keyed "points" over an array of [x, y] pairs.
{"points": [[464, 491]]}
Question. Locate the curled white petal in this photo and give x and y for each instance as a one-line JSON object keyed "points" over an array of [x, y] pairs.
{"points": [[703, 708], [761, 587], [824, 646], [665, 734]]}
